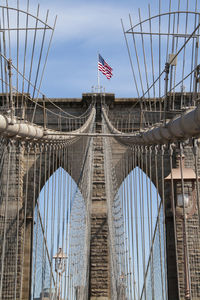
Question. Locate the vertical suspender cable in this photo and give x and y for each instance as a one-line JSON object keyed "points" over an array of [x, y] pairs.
{"points": [[59, 187], [17, 75], [159, 85], [130, 213], [33, 239], [127, 188], [196, 154], [159, 208], [25, 203], [52, 214], [148, 203], [152, 57], [169, 25], [19, 190], [33, 50], [132, 68], [5, 62], [125, 225], [143, 220], [132, 222], [37, 221], [174, 215], [7, 189], [46, 230], [137, 57], [144, 57], [140, 216], [62, 225], [25, 51], [55, 192], [164, 219], [151, 227], [136, 221], [188, 294], [44, 221], [8, 23], [176, 49], [148, 184]]}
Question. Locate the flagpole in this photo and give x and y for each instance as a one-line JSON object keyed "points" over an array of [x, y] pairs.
{"points": [[98, 75]]}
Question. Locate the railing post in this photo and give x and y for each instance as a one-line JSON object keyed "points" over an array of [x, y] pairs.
{"points": [[11, 103], [44, 113], [166, 89], [121, 295], [197, 80]]}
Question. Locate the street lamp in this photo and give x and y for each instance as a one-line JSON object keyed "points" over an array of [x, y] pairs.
{"points": [[60, 266], [121, 287], [184, 189]]}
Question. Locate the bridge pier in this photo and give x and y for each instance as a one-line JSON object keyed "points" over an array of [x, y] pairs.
{"points": [[14, 267], [99, 286], [187, 233]]}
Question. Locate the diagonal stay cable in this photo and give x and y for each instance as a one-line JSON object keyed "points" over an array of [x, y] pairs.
{"points": [[68, 116], [48, 99]]}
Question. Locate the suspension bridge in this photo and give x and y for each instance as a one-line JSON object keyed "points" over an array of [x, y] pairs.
{"points": [[99, 196]]}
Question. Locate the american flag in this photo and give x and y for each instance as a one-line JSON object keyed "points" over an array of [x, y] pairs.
{"points": [[104, 67]]}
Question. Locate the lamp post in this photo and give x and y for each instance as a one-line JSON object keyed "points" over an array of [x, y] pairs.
{"points": [[184, 188], [121, 287], [60, 267]]}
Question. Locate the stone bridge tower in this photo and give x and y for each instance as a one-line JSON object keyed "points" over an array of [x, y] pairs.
{"points": [[100, 283]]}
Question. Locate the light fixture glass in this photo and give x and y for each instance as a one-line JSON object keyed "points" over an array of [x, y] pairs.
{"points": [[60, 261], [181, 201]]}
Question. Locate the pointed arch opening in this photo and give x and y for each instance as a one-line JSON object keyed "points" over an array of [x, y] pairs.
{"points": [[60, 222], [139, 238]]}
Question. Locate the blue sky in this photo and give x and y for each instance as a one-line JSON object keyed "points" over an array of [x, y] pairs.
{"points": [[84, 28]]}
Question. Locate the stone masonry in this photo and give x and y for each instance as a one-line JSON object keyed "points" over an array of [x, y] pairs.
{"points": [[99, 256], [99, 269]]}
